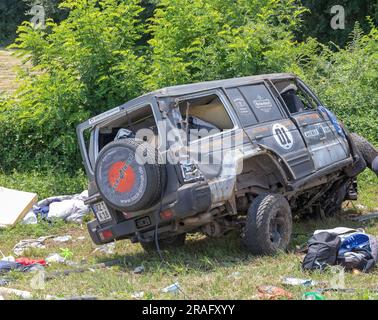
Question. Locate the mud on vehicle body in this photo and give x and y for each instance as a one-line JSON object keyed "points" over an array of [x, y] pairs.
{"points": [[271, 151]]}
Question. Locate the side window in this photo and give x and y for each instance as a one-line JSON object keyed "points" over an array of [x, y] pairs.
{"points": [[243, 110], [203, 116], [254, 104], [296, 99]]}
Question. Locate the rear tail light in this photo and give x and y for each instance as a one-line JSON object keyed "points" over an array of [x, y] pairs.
{"points": [[166, 214], [106, 234]]}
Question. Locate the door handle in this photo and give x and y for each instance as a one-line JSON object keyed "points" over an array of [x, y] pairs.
{"points": [[259, 137]]}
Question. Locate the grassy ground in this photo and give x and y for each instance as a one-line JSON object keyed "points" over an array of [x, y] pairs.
{"points": [[205, 268]]}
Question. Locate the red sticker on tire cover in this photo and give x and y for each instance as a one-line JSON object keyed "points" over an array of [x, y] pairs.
{"points": [[121, 177]]}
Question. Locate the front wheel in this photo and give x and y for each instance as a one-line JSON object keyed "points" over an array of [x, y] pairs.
{"points": [[268, 225]]}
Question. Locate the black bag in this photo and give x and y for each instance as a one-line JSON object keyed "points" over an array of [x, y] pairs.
{"points": [[323, 248]]}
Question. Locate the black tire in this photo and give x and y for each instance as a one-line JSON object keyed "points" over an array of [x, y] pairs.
{"points": [[268, 225], [123, 182], [171, 242], [368, 151]]}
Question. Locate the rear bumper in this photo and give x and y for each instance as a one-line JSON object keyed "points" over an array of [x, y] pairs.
{"points": [[190, 199]]}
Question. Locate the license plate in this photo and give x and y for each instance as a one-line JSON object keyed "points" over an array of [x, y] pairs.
{"points": [[101, 212]]}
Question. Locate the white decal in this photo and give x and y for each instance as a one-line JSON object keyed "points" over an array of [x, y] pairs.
{"points": [[262, 104], [283, 136], [311, 133], [242, 106]]}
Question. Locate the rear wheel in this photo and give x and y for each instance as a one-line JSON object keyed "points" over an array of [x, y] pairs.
{"points": [[268, 225], [171, 242]]}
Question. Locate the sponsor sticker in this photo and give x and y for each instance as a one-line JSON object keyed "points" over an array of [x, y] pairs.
{"points": [[263, 104]]}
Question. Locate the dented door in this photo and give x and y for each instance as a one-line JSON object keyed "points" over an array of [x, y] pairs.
{"points": [[324, 143], [268, 125]]}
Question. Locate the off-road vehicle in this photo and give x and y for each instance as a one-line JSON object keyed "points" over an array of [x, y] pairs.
{"points": [[245, 153]]}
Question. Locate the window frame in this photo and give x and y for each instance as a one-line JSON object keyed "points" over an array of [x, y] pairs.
{"points": [[268, 85], [219, 93]]}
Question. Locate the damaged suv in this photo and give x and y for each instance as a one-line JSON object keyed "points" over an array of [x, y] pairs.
{"points": [[242, 154]]}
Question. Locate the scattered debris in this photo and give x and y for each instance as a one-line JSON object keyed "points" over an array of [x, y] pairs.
{"points": [[81, 238], [356, 271], [139, 270], [62, 238], [72, 263], [55, 258], [173, 288], [298, 282], [6, 266], [365, 217], [348, 290], [14, 205], [84, 297], [312, 295], [71, 208], [4, 282], [20, 247], [301, 249], [234, 275], [273, 293], [38, 281], [360, 207], [84, 268], [9, 258], [1, 298], [106, 248], [18, 293], [138, 295], [28, 262], [338, 230], [79, 298]]}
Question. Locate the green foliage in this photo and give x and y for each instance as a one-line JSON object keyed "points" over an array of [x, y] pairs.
{"points": [[195, 40], [107, 52], [45, 183], [347, 81], [81, 66]]}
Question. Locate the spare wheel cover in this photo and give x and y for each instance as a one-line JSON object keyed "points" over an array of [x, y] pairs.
{"points": [[120, 178]]}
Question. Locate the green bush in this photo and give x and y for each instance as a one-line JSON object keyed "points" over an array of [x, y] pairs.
{"points": [[197, 40], [81, 66], [347, 81], [107, 52]]}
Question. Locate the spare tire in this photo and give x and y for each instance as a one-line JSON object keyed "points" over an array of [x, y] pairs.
{"points": [[368, 151], [124, 181]]}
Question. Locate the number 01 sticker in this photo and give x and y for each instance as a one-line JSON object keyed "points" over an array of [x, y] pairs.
{"points": [[282, 136]]}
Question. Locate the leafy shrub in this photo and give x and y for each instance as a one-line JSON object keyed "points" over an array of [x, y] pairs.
{"points": [[347, 80], [106, 53], [81, 66], [196, 40]]}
